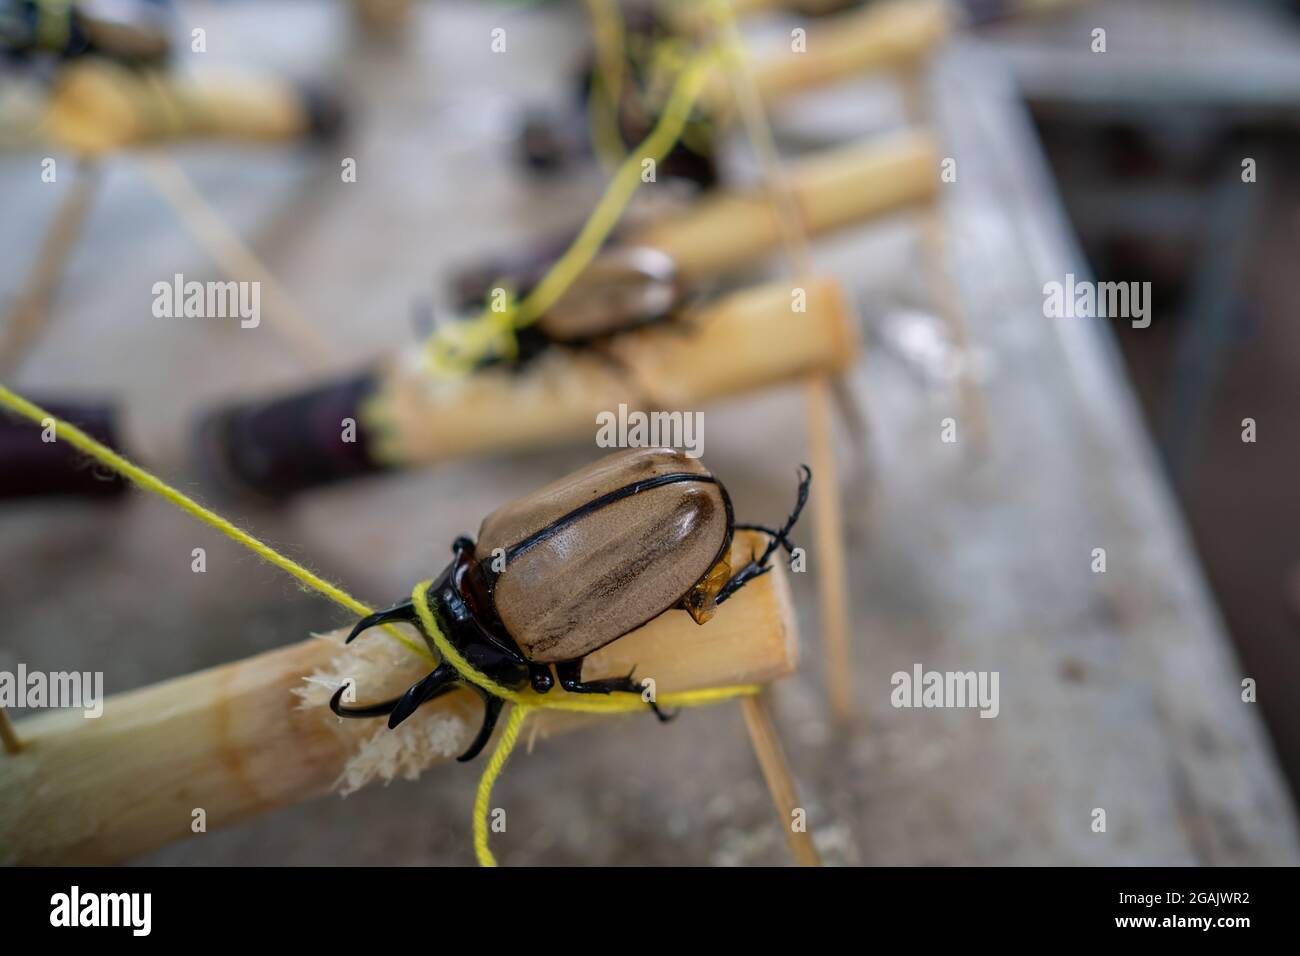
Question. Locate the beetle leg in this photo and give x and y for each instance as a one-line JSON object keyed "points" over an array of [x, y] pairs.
{"points": [[491, 711], [370, 710], [398, 612], [570, 674], [429, 689], [540, 677], [425, 689]]}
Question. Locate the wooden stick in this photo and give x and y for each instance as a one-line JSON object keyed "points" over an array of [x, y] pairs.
{"points": [[8, 736], [828, 527], [888, 35], [98, 106], [237, 260], [780, 782], [32, 307], [828, 524], [943, 290], [842, 187], [741, 343], [234, 742]]}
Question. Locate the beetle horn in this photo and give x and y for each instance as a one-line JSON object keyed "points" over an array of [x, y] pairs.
{"points": [[398, 612]]}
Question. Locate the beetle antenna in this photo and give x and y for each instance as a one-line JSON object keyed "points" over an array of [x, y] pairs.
{"points": [[758, 565]]}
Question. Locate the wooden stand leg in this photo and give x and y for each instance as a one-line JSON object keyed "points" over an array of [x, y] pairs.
{"points": [[767, 748], [31, 309], [942, 289], [8, 736], [829, 557], [236, 259]]}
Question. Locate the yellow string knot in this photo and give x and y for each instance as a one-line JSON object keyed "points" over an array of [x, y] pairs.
{"points": [[525, 701]]}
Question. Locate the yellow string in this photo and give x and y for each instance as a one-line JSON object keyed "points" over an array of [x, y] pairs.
{"points": [[606, 93], [526, 701], [456, 347], [65, 431]]}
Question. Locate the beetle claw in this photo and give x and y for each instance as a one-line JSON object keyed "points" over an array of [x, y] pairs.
{"points": [[398, 612], [370, 710], [434, 685], [491, 711]]}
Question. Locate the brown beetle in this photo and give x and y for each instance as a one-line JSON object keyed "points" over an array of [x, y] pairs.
{"points": [[581, 562]]}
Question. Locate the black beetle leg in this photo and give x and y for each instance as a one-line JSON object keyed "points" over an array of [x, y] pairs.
{"points": [[425, 689], [398, 612], [772, 533], [540, 677], [491, 711], [570, 674], [370, 710], [434, 685], [756, 568]]}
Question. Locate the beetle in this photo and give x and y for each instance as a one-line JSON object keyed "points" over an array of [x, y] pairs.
{"points": [[620, 291], [588, 559]]}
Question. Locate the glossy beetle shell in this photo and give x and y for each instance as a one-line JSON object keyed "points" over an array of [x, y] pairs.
{"points": [[587, 561]]}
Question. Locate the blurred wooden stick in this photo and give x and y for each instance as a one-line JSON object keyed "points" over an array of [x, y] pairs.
{"points": [[8, 736], [842, 187], [944, 296], [237, 260], [828, 533], [828, 524], [234, 742], [32, 307]]}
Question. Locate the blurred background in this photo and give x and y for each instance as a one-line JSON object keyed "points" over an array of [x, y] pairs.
{"points": [[1120, 689]]}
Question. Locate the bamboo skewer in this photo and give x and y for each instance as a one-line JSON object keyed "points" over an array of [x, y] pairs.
{"points": [[943, 291], [31, 309], [237, 260], [780, 782], [8, 736], [234, 741], [828, 525]]}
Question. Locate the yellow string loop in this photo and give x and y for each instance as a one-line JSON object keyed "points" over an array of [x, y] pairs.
{"points": [[455, 348], [525, 702]]}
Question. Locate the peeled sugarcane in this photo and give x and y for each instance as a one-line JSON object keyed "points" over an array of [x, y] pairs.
{"points": [[896, 35], [97, 106], [396, 416]]}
